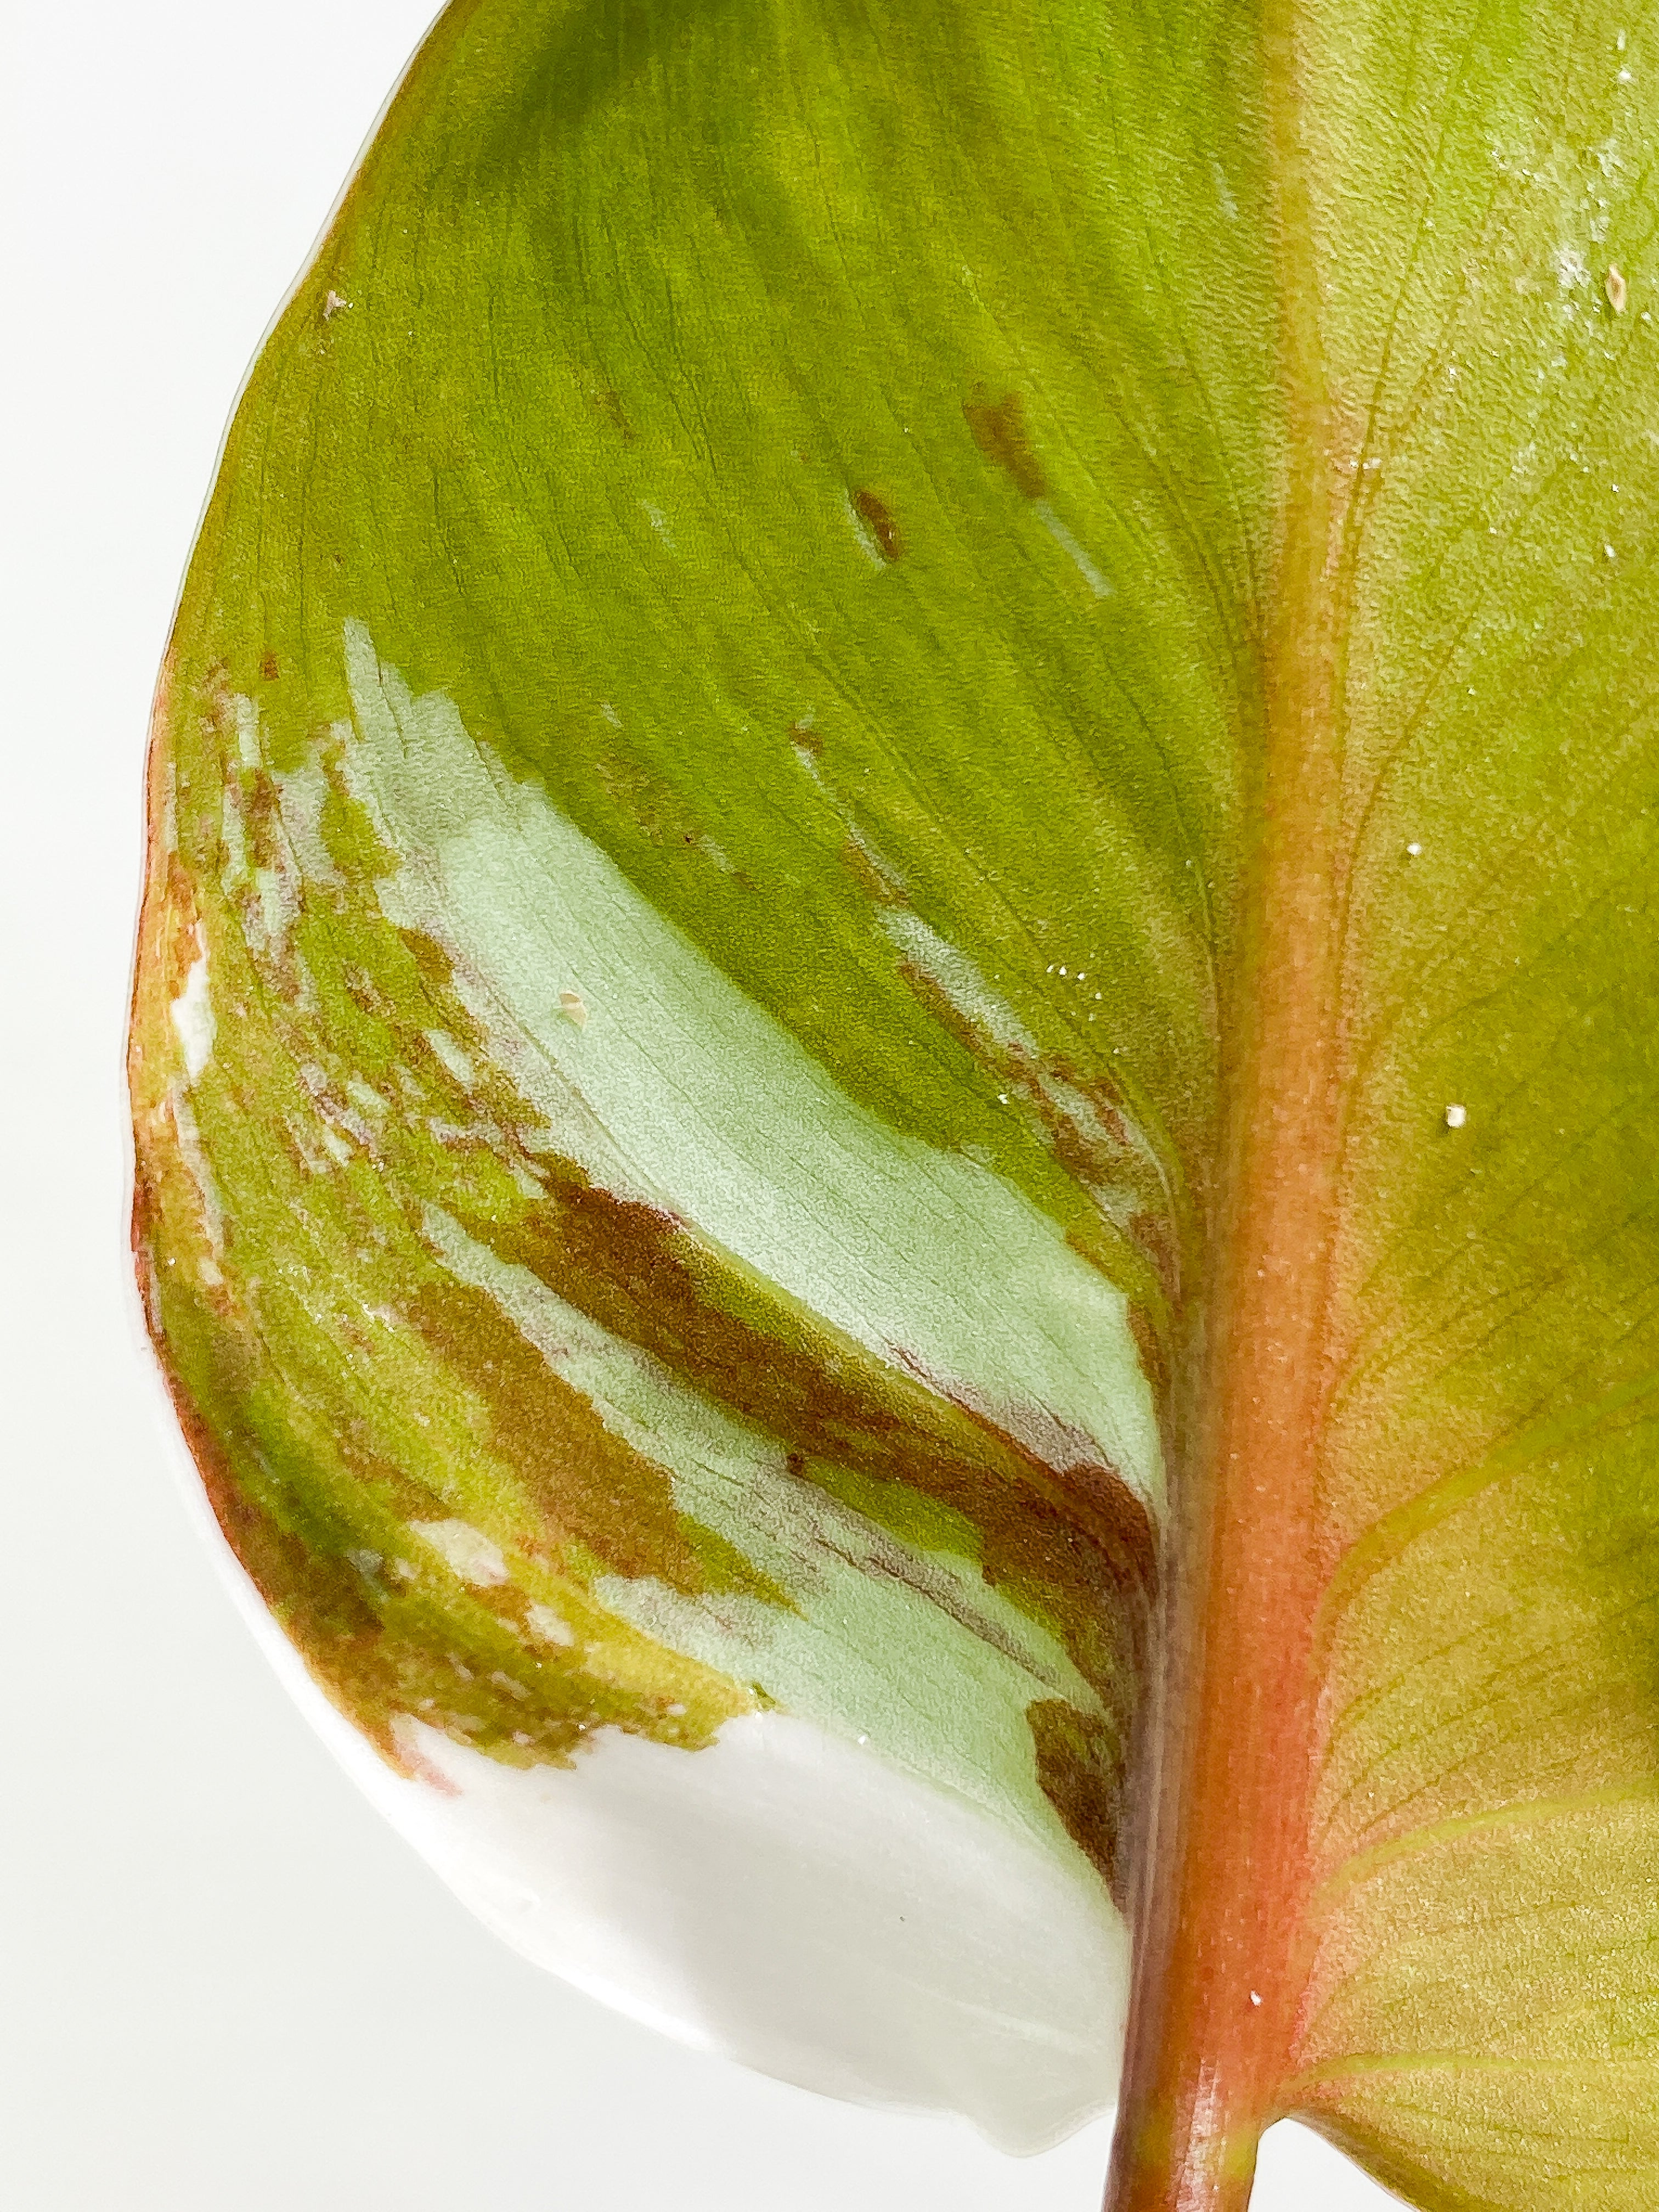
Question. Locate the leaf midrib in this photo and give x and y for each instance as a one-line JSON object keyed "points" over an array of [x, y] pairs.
{"points": [[1220, 1955]]}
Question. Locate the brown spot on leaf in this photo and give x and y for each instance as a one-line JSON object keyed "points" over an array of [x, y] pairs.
{"points": [[999, 428], [608, 403], [268, 668], [877, 518], [1153, 1353], [856, 860]]}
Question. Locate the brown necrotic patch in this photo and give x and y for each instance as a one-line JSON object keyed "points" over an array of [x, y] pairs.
{"points": [[1071, 1548], [879, 520], [999, 432], [593, 1488], [866, 873]]}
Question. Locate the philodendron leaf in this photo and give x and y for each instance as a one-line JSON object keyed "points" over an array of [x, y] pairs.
{"points": [[897, 1057]]}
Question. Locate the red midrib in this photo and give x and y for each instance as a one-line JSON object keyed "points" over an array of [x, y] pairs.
{"points": [[1230, 1767]]}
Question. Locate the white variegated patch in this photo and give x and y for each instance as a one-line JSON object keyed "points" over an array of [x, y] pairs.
{"points": [[795, 1902], [783, 1898]]}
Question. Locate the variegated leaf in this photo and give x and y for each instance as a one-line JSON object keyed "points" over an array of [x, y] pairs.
{"points": [[893, 1048]]}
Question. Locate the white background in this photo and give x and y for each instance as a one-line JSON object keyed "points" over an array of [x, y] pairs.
{"points": [[228, 1987]]}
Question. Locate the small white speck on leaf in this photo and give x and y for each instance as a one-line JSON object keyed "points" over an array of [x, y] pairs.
{"points": [[1256, 1996], [333, 305], [548, 1625], [1618, 291], [465, 1550], [1414, 851], [1608, 551], [1571, 269], [1456, 1116], [572, 1007]]}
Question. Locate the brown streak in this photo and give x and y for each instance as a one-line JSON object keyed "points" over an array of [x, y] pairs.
{"points": [[1081, 1770], [590, 1484], [999, 430], [638, 1273]]}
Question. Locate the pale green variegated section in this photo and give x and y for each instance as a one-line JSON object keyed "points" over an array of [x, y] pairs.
{"points": [[911, 1653], [922, 1257], [755, 1787]]}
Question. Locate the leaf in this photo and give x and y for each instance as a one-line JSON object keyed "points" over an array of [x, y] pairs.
{"points": [[894, 1050]]}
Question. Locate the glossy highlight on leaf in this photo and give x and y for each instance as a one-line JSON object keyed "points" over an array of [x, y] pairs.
{"points": [[893, 1052]]}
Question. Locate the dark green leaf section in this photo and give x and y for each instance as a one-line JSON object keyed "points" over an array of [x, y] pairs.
{"points": [[647, 310]]}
